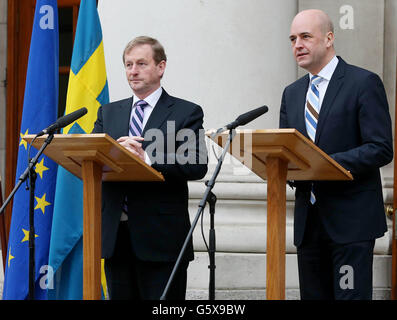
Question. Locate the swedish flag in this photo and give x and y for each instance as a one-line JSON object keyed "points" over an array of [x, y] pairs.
{"points": [[40, 109], [87, 88]]}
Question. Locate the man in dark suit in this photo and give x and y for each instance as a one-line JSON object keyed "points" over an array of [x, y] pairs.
{"points": [[144, 224], [344, 110]]}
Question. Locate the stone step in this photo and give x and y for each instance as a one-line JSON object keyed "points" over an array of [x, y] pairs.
{"points": [[243, 276]]}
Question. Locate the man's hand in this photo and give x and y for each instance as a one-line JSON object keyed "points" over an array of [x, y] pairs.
{"points": [[134, 145]]}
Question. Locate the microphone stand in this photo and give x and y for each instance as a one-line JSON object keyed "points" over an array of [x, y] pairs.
{"points": [[212, 245], [32, 187], [211, 198], [29, 172]]}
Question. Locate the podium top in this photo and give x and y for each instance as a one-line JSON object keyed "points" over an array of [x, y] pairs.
{"points": [[305, 160], [118, 164]]}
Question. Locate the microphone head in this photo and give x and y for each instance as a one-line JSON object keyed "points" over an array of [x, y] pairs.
{"points": [[71, 117], [251, 115]]}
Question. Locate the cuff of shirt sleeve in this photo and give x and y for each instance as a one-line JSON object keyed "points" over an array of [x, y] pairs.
{"points": [[147, 160]]}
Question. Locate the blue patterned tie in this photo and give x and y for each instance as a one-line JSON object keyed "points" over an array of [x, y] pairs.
{"points": [[312, 111], [136, 123]]}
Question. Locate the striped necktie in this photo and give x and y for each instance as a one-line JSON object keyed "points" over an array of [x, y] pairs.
{"points": [[312, 111], [136, 123]]}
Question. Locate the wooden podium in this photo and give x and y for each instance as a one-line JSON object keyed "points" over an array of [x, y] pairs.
{"points": [[277, 156], [94, 158]]}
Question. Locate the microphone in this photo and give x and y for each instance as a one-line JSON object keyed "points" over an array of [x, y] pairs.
{"points": [[63, 121], [243, 119]]}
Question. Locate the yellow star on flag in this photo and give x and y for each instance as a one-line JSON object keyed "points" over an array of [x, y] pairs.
{"points": [[23, 142], [10, 257], [41, 203], [26, 237], [40, 168]]}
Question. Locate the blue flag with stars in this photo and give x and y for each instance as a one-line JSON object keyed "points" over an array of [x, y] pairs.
{"points": [[40, 109]]}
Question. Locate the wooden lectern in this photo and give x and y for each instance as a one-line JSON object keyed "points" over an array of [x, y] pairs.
{"points": [[94, 158], [277, 156]]}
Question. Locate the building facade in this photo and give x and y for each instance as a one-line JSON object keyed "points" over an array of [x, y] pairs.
{"points": [[231, 56]]}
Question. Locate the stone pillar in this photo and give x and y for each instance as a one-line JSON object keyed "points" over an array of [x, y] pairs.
{"points": [[227, 55], [359, 30]]}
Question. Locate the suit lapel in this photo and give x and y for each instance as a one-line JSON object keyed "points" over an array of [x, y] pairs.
{"points": [[333, 88], [301, 102], [123, 118], [160, 112]]}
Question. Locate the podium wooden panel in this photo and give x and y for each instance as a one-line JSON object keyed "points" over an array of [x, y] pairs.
{"points": [[279, 155], [94, 158]]}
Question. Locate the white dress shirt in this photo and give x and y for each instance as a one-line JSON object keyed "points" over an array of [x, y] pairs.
{"points": [[151, 100], [325, 73]]}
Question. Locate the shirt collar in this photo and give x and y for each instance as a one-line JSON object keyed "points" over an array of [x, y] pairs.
{"points": [[151, 99], [327, 72]]}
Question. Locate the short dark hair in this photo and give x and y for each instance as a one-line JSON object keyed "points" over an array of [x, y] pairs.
{"points": [[158, 50]]}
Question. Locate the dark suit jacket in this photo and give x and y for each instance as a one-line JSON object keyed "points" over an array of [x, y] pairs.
{"points": [[158, 215], [354, 128]]}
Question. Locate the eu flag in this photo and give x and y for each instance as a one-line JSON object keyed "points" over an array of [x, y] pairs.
{"points": [[40, 109], [87, 88]]}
